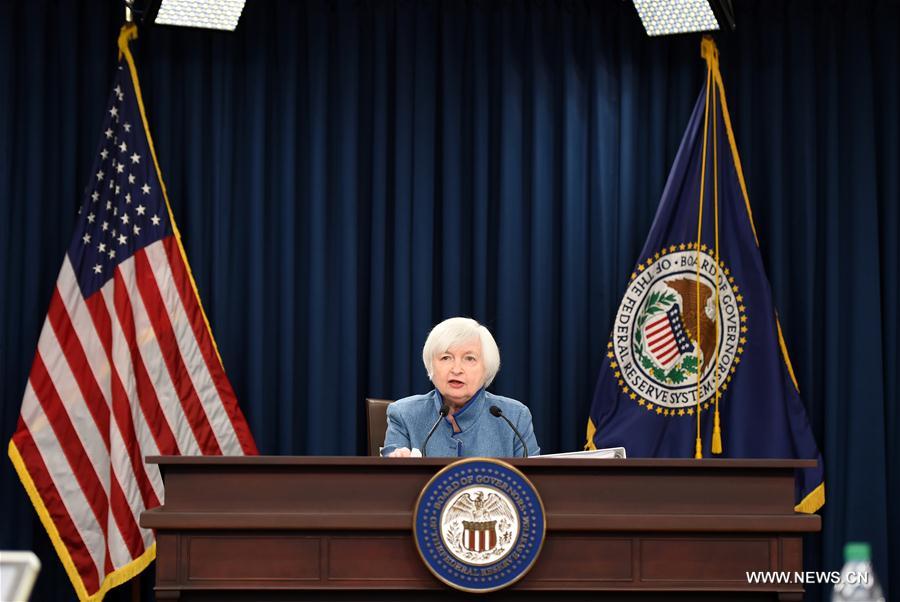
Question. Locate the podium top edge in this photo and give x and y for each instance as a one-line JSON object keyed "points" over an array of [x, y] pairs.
{"points": [[538, 462]]}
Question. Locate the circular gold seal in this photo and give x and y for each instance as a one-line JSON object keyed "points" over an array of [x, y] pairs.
{"points": [[479, 525]]}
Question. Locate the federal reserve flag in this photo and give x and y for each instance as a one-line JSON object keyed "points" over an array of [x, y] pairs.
{"points": [[696, 365], [125, 367]]}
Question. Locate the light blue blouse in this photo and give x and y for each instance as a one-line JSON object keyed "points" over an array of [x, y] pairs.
{"points": [[481, 433]]}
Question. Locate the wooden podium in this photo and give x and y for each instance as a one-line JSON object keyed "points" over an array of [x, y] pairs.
{"points": [[339, 528]]}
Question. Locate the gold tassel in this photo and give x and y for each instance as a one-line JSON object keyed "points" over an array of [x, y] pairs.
{"points": [[698, 454], [717, 434]]}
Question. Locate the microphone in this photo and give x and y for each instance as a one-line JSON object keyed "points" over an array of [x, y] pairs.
{"points": [[499, 414], [445, 409]]}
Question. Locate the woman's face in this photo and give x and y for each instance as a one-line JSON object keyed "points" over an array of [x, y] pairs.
{"points": [[459, 372]]}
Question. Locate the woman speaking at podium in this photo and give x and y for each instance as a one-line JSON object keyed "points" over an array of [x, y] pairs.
{"points": [[459, 417]]}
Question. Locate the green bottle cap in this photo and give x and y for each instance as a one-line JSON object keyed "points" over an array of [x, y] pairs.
{"points": [[857, 551]]}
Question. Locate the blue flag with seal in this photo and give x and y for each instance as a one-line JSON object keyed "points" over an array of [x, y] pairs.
{"points": [[696, 363]]}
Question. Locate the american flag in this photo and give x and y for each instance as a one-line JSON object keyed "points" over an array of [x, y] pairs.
{"points": [[125, 367], [666, 337]]}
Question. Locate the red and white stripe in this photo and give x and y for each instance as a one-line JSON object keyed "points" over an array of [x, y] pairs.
{"points": [[661, 341], [129, 372], [479, 540]]}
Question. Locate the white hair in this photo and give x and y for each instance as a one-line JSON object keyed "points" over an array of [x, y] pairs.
{"points": [[456, 331]]}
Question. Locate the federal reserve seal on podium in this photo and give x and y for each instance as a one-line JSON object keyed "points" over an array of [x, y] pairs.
{"points": [[479, 525]]}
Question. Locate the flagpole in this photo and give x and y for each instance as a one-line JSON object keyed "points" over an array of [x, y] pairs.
{"points": [[698, 451], [136, 580], [716, 446]]}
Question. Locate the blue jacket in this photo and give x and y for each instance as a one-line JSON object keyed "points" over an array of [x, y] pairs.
{"points": [[481, 433]]}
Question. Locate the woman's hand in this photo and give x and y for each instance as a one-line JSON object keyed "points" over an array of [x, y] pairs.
{"points": [[400, 452]]}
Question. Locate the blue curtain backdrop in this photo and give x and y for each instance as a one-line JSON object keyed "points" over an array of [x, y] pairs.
{"points": [[346, 174]]}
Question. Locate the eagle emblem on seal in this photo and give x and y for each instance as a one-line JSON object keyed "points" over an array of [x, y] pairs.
{"points": [[679, 332], [479, 524]]}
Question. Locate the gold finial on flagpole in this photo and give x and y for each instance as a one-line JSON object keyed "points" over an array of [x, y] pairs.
{"points": [[710, 52]]}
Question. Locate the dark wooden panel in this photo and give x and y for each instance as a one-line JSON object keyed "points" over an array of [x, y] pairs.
{"points": [[225, 558], [278, 490], [791, 554], [697, 523], [699, 560], [678, 492], [591, 559], [375, 559], [166, 557]]}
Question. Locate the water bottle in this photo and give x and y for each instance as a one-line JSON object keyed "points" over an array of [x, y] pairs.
{"points": [[858, 582]]}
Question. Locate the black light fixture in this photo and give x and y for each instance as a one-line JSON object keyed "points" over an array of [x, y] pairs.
{"points": [[668, 17], [205, 14]]}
